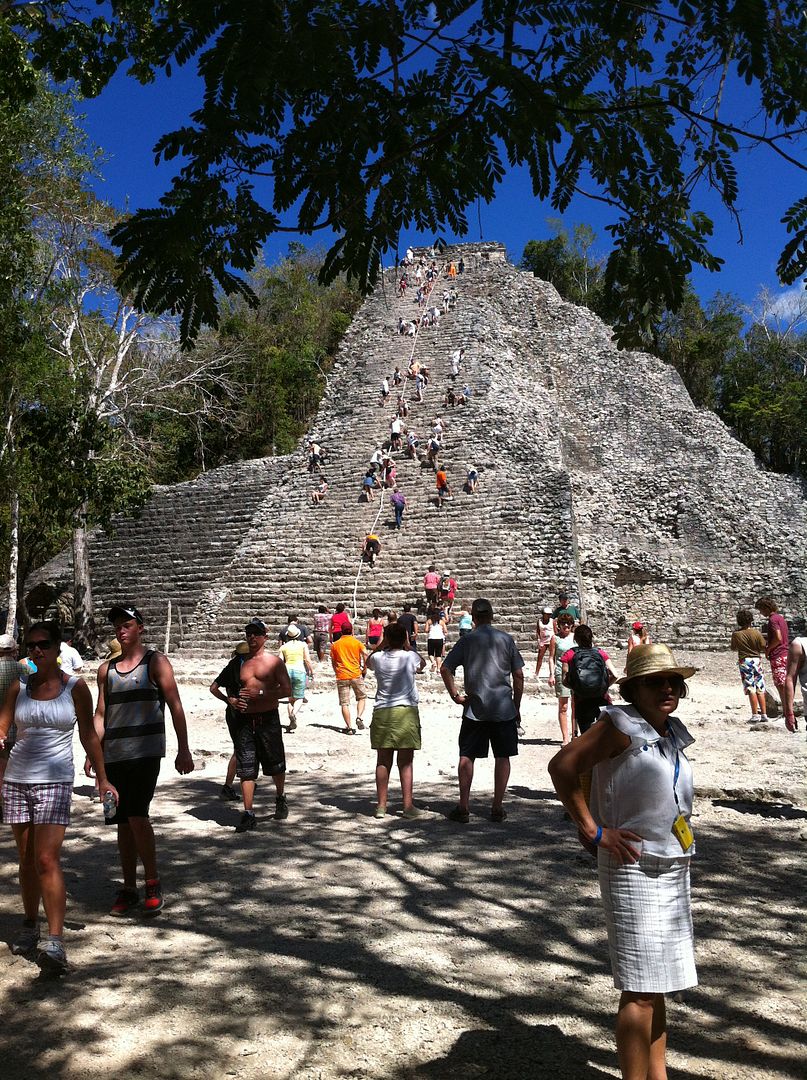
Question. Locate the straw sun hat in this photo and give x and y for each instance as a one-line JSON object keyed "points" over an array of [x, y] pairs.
{"points": [[653, 660]]}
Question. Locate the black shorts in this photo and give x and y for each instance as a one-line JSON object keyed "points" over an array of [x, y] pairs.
{"points": [[586, 711], [258, 741], [435, 646], [477, 735], [135, 780]]}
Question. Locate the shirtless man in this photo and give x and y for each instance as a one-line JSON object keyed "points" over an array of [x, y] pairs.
{"points": [[796, 674], [252, 687]]}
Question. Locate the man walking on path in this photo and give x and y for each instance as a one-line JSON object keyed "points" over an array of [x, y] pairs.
{"points": [[252, 688], [348, 657], [408, 621], [491, 704], [133, 690]]}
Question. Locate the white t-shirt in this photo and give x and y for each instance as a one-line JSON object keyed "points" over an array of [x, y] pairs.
{"points": [[546, 631], [395, 671], [70, 659], [43, 752]]}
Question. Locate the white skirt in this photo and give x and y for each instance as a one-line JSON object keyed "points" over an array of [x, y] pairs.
{"points": [[649, 921]]}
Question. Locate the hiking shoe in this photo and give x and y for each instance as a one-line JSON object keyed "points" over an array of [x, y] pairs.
{"points": [[498, 815], [26, 941], [154, 897], [359, 723], [228, 793], [350, 731], [412, 813], [247, 822], [380, 811], [281, 808], [292, 724], [51, 956], [458, 814], [124, 901]]}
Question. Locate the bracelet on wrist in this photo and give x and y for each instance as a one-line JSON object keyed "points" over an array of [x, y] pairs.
{"points": [[598, 837]]}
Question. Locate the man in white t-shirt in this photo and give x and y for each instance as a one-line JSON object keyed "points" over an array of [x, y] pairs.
{"points": [[796, 672], [69, 658]]}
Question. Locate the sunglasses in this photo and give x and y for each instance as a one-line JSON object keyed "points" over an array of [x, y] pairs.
{"points": [[660, 680], [40, 643]]}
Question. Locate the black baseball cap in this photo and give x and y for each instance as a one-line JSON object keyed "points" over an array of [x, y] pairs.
{"points": [[255, 624], [124, 611]]}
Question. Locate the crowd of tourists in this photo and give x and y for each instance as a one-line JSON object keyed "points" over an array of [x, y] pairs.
{"points": [[622, 770], [407, 384]]}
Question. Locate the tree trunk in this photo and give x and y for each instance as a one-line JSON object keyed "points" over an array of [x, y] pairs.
{"points": [[86, 634], [13, 565]]}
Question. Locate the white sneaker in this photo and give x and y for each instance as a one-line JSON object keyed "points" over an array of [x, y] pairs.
{"points": [[51, 956]]}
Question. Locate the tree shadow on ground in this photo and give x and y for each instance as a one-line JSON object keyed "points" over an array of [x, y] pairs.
{"points": [[331, 934], [541, 1052]]}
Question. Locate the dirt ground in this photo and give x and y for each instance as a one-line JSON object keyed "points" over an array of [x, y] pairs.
{"points": [[335, 945]]}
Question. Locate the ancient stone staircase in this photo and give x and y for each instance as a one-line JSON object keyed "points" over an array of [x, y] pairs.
{"points": [[596, 471]]}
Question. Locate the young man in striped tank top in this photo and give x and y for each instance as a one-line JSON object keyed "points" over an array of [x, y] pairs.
{"points": [[133, 690]]}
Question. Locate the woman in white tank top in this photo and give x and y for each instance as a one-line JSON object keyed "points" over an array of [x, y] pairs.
{"points": [[38, 785]]}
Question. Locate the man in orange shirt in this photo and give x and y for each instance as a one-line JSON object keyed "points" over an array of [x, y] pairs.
{"points": [[348, 657], [443, 490]]}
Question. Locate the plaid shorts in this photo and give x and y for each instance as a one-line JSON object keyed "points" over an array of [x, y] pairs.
{"points": [[751, 675], [39, 804], [344, 686]]}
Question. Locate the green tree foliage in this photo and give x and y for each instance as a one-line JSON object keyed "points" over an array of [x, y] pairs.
{"points": [[57, 455], [763, 393], [699, 342], [369, 118], [282, 348], [567, 262]]}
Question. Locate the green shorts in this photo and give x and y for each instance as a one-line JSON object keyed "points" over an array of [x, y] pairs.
{"points": [[395, 728], [297, 680]]}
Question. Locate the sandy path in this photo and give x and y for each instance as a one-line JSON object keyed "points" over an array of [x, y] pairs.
{"points": [[335, 945]]}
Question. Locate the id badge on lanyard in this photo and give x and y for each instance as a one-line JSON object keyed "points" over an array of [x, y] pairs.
{"points": [[680, 827]]}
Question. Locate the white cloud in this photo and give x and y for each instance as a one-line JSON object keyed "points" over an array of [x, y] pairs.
{"points": [[789, 304]]}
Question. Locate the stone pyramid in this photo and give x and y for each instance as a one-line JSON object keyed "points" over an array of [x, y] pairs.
{"points": [[597, 473]]}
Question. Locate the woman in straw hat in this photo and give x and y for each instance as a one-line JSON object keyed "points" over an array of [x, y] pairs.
{"points": [[638, 826]]}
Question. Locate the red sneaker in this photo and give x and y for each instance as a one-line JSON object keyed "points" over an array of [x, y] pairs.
{"points": [[154, 897], [124, 901]]}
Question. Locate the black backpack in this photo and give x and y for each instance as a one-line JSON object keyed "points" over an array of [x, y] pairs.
{"points": [[588, 675]]}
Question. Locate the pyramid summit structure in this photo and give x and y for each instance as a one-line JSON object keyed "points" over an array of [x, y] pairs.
{"points": [[596, 473]]}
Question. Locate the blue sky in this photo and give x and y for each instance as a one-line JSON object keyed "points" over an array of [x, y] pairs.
{"points": [[127, 119]]}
